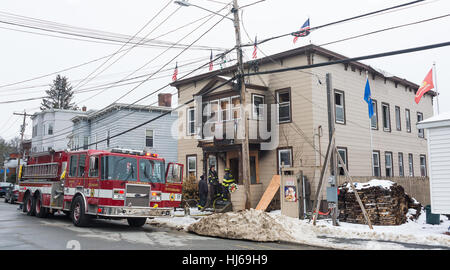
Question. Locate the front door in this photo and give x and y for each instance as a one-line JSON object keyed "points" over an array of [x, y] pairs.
{"points": [[234, 168]]}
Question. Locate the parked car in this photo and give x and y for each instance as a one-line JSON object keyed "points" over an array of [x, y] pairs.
{"points": [[12, 194], [3, 187]]}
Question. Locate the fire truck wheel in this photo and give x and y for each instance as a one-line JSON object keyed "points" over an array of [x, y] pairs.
{"points": [[136, 222], [78, 214], [39, 209], [29, 205]]}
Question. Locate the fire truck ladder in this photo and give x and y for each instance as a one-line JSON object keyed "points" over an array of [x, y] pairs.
{"points": [[41, 171]]}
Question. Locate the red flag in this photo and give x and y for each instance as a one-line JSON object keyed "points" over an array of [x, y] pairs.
{"points": [[175, 73], [211, 65], [255, 49], [426, 86]]}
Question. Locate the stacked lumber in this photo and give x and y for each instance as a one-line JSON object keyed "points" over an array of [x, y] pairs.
{"points": [[385, 204]]}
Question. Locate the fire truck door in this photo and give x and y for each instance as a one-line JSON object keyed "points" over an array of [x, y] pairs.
{"points": [[174, 173]]}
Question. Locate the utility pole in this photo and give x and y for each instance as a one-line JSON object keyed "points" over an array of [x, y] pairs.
{"points": [[22, 131], [241, 84]]}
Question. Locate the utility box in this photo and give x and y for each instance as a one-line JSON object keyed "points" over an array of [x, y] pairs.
{"points": [[289, 194]]}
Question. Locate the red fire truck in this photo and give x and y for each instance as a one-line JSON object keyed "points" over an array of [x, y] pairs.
{"points": [[100, 184]]}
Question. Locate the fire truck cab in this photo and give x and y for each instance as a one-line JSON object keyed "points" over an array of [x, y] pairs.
{"points": [[90, 184]]}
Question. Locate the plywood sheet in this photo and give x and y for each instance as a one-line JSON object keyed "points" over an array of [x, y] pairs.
{"points": [[270, 192]]}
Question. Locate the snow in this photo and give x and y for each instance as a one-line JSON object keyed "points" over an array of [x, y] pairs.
{"points": [[440, 117], [261, 226], [386, 184]]}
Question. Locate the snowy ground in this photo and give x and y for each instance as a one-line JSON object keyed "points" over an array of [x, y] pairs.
{"points": [[411, 235]]}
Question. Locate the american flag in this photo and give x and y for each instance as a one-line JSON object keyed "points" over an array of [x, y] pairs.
{"points": [[211, 64], [304, 31], [255, 49], [175, 73]]}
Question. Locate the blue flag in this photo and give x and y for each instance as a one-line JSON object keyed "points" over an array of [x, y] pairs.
{"points": [[368, 98]]}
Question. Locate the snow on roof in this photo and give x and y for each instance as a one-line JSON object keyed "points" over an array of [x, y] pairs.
{"points": [[442, 119]]}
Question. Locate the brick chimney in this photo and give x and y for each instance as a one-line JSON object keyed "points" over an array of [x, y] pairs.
{"points": [[165, 100]]}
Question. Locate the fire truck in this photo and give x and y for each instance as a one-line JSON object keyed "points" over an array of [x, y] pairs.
{"points": [[88, 184]]}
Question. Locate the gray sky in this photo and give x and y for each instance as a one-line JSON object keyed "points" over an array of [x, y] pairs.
{"points": [[24, 55]]}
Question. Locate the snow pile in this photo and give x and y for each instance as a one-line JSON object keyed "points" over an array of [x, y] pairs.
{"points": [[248, 225], [358, 236], [386, 184]]}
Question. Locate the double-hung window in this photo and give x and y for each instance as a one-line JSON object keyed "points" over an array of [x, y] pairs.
{"points": [[401, 167], [411, 164], [388, 163], [376, 163], [284, 158], [419, 119], [191, 166], [343, 153], [258, 107], [149, 138], [408, 120], [423, 165], [191, 121], [398, 119], [374, 119], [225, 109], [284, 105], [386, 117], [235, 107], [339, 104]]}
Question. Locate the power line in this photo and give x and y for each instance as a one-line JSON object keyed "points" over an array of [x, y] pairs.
{"points": [[340, 21], [348, 60]]}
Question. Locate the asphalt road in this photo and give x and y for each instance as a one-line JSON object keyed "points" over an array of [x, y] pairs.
{"points": [[21, 232]]}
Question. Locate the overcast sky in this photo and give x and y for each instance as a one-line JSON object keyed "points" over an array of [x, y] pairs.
{"points": [[26, 55]]}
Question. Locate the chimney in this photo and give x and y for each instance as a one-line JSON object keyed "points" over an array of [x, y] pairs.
{"points": [[84, 108], [165, 100]]}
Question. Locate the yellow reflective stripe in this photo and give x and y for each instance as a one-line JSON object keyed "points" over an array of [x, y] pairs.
{"points": [[228, 181]]}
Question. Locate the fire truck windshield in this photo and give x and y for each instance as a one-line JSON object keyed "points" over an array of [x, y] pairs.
{"points": [[151, 171], [119, 168]]}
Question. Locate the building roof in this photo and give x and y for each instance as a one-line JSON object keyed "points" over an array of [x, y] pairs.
{"points": [[305, 50], [56, 110], [440, 120], [117, 106]]}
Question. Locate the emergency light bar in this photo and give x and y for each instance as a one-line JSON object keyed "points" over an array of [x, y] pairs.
{"points": [[133, 152]]}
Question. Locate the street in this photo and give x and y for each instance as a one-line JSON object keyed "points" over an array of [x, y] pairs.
{"points": [[21, 232]]}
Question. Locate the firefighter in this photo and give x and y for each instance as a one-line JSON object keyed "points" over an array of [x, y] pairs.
{"points": [[228, 179], [202, 192], [213, 180]]}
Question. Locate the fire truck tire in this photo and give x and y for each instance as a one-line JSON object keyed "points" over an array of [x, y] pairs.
{"points": [[39, 209], [78, 213], [136, 222], [29, 205]]}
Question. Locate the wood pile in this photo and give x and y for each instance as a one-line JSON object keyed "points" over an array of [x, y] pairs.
{"points": [[384, 206]]}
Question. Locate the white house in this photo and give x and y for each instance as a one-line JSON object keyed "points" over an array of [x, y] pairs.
{"points": [[438, 128], [50, 129]]}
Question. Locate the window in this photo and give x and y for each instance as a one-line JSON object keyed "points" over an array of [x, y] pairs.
{"points": [[151, 171], [212, 161], [191, 121], [284, 158], [388, 163], [191, 166], [386, 117], [423, 165], [73, 165], [35, 130], [236, 107], [411, 164], [93, 167], [258, 107], [149, 138], [50, 129], [119, 168], [81, 166], [343, 153], [225, 111], [86, 142], [339, 106], [401, 167], [107, 138], [398, 120], [374, 119], [376, 163], [419, 119], [408, 120], [214, 111], [284, 105]]}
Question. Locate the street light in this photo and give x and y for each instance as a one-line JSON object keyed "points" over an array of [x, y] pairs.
{"points": [[185, 3]]}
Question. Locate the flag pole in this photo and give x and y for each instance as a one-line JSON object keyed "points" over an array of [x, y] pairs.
{"points": [[370, 128], [435, 87]]}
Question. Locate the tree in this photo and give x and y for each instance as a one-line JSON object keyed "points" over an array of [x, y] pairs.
{"points": [[59, 95]]}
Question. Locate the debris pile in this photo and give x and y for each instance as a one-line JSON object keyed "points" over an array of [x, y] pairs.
{"points": [[250, 224], [386, 203]]}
